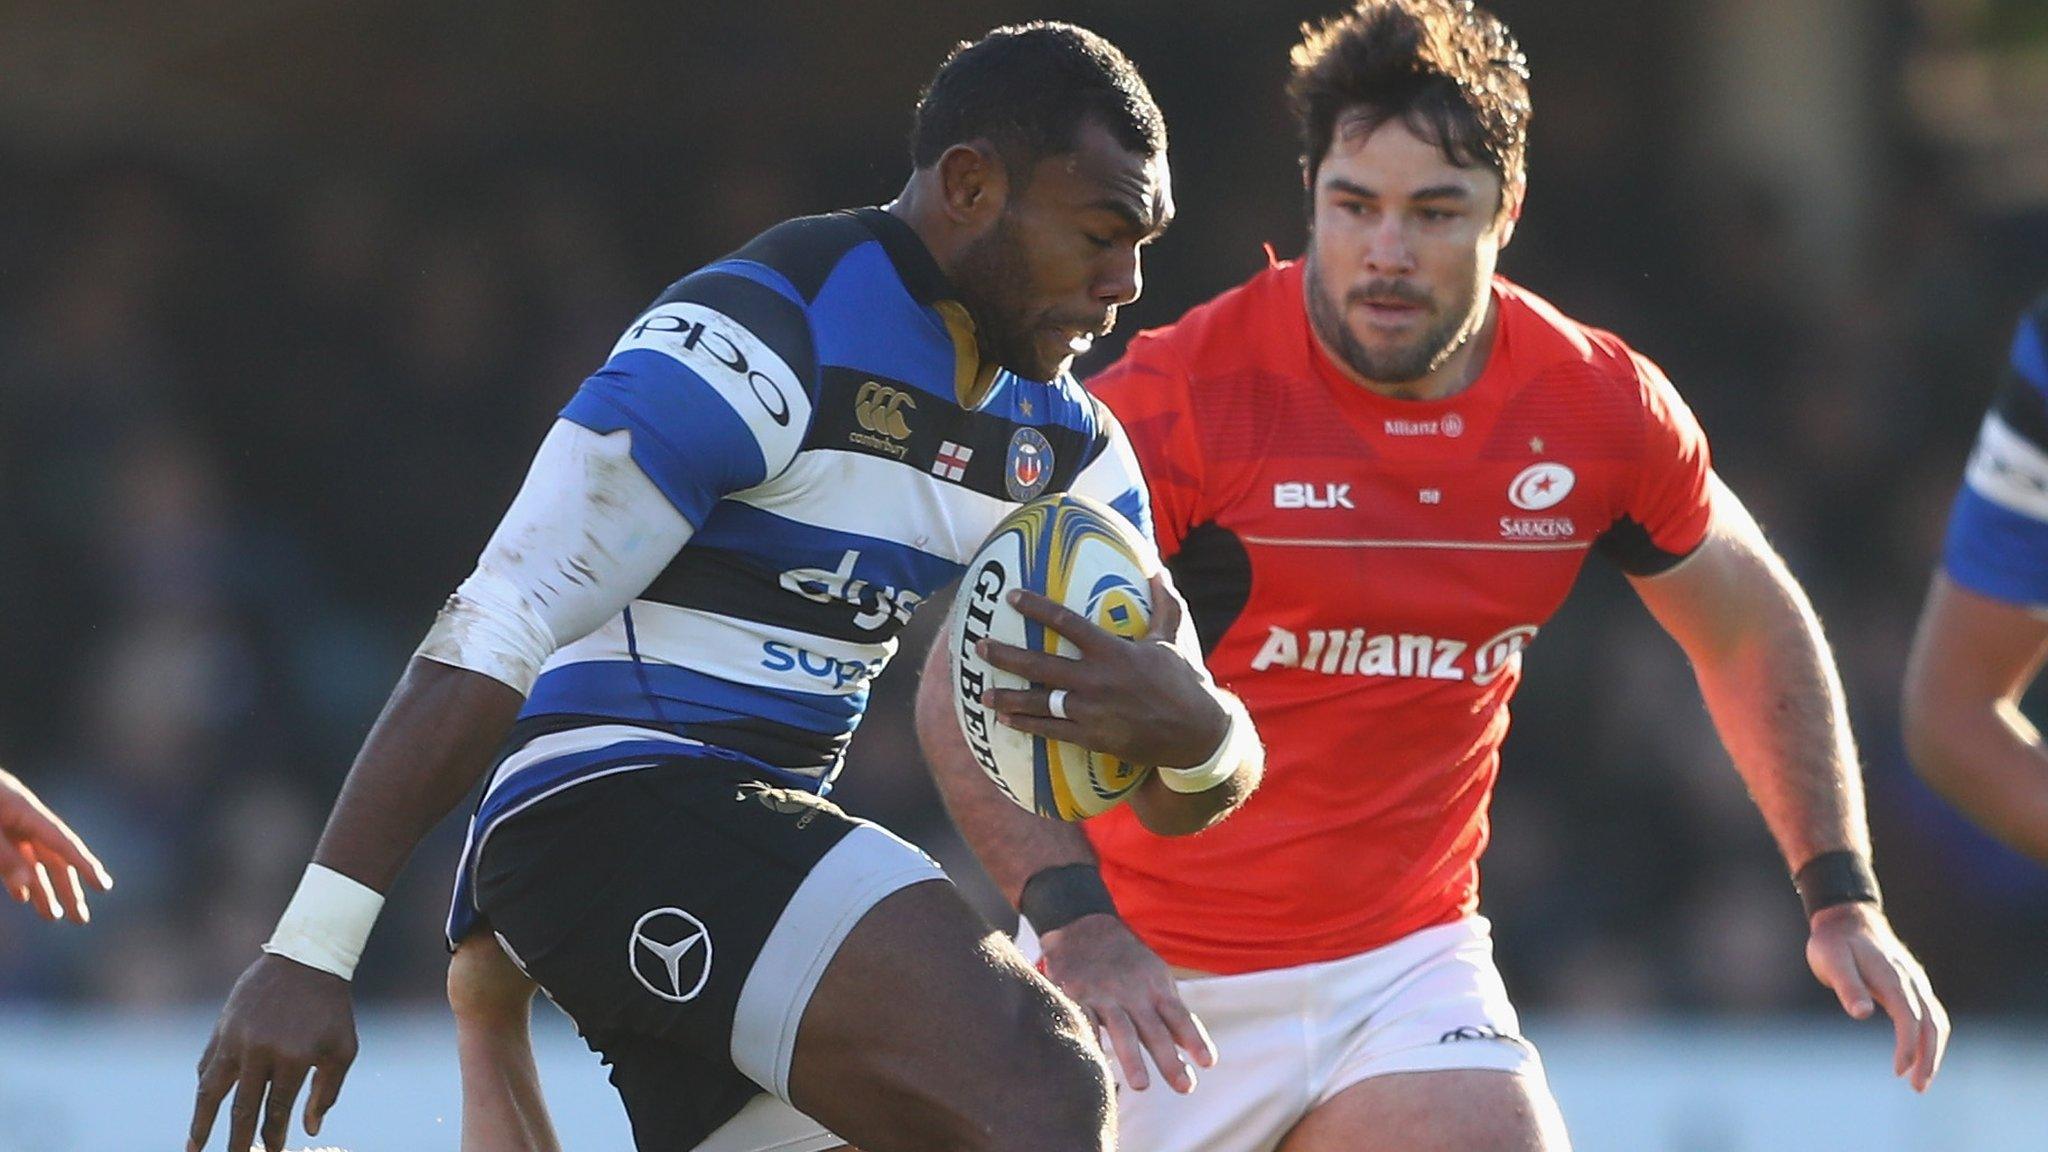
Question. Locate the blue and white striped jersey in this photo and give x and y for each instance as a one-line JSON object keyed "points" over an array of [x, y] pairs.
{"points": [[1998, 531], [799, 404]]}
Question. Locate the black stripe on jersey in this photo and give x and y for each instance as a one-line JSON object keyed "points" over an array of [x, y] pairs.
{"points": [[773, 318], [1214, 572], [850, 416], [2023, 408], [1628, 545], [724, 582], [806, 250], [775, 744], [769, 743]]}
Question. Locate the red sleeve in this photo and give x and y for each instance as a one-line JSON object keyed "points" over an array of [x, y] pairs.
{"points": [[1148, 391], [1671, 506]]}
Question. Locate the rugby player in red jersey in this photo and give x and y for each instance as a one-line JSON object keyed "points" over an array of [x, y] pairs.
{"points": [[1376, 473]]}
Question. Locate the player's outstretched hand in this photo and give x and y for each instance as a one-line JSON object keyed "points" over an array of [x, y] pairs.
{"points": [[282, 1020], [1129, 994], [1853, 951], [1141, 700], [42, 859]]}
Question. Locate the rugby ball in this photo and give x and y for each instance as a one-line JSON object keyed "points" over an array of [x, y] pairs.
{"points": [[1079, 553]]}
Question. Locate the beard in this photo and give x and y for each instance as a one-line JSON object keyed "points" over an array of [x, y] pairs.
{"points": [[993, 277], [1402, 364]]}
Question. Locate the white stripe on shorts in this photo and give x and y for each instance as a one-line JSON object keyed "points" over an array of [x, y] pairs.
{"points": [[868, 864]]}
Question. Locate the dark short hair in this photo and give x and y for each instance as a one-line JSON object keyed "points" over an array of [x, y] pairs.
{"points": [[1027, 89], [1448, 70]]}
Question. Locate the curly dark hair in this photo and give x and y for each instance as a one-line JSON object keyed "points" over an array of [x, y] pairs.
{"points": [[1449, 70], [1027, 89]]}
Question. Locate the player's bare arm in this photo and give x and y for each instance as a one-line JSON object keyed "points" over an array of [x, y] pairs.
{"points": [[41, 859], [291, 1014], [1972, 658], [284, 1019], [1127, 991], [1770, 684]]}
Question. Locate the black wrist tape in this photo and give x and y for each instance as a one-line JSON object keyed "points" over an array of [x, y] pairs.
{"points": [[1057, 896], [1838, 877]]}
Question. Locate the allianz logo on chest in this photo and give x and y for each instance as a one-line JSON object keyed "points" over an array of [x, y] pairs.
{"points": [[1407, 655], [1296, 494]]}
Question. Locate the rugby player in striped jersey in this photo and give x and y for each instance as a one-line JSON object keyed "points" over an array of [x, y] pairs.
{"points": [[677, 623]]}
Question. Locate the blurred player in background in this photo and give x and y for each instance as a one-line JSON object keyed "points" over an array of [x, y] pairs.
{"points": [[42, 859], [1375, 473], [711, 558], [1984, 630]]}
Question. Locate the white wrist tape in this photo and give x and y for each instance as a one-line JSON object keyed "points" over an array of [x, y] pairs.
{"points": [[326, 923], [1240, 745]]}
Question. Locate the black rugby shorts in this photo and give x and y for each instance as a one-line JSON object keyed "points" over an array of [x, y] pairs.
{"points": [[643, 901]]}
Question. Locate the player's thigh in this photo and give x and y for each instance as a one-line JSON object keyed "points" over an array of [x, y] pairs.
{"points": [[929, 1031], [1460, 1110]]}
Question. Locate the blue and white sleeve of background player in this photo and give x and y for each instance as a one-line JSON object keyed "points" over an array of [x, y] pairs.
{"points": [[715, 384], [1998, 530]]}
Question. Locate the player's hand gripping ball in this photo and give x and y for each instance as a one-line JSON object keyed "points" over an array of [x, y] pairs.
{"points": [[1083, 555]]}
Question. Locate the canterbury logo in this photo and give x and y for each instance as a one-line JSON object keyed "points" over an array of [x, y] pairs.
{"points": [[879, 409]]}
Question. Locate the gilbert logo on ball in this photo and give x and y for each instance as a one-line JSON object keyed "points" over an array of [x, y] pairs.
{"points": [[1081, 554]]}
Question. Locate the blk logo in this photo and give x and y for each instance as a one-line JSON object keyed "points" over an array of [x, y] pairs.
{"points": [[670, 954], [1295, 494]]}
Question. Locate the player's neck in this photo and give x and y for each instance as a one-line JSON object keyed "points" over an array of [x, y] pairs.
{"points": [[1458, 372], [915, 207]]}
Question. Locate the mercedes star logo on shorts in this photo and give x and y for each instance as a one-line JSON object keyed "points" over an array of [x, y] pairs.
{"points": [[665, 956]]}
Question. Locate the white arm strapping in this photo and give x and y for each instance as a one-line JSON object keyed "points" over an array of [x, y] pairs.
{"points": [[587, 533], [327, 922]]}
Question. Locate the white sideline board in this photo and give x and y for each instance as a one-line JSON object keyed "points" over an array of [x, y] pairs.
{"points": [[108, 1082]]}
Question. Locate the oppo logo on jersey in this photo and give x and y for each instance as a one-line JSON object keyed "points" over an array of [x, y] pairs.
{"points": [[1357, 652], [1295, 494], [878, 604], [713, 344]]}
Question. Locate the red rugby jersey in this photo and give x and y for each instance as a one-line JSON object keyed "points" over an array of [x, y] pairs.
{"points": [[1365, 572]]}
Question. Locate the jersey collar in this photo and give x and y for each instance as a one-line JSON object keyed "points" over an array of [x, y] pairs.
{"points": [[929, 285]]}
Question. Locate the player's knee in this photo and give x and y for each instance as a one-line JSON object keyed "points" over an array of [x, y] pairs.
{"points": [[1062, 1096]]}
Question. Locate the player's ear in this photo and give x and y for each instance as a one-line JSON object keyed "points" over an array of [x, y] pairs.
{"points": [[1510, 211], [973, 183]]}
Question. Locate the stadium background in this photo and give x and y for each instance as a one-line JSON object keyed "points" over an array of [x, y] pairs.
{"points": [[289, 290]]}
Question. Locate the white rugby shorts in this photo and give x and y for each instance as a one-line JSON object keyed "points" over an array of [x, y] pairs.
{"points": [[1289, 1039]]}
